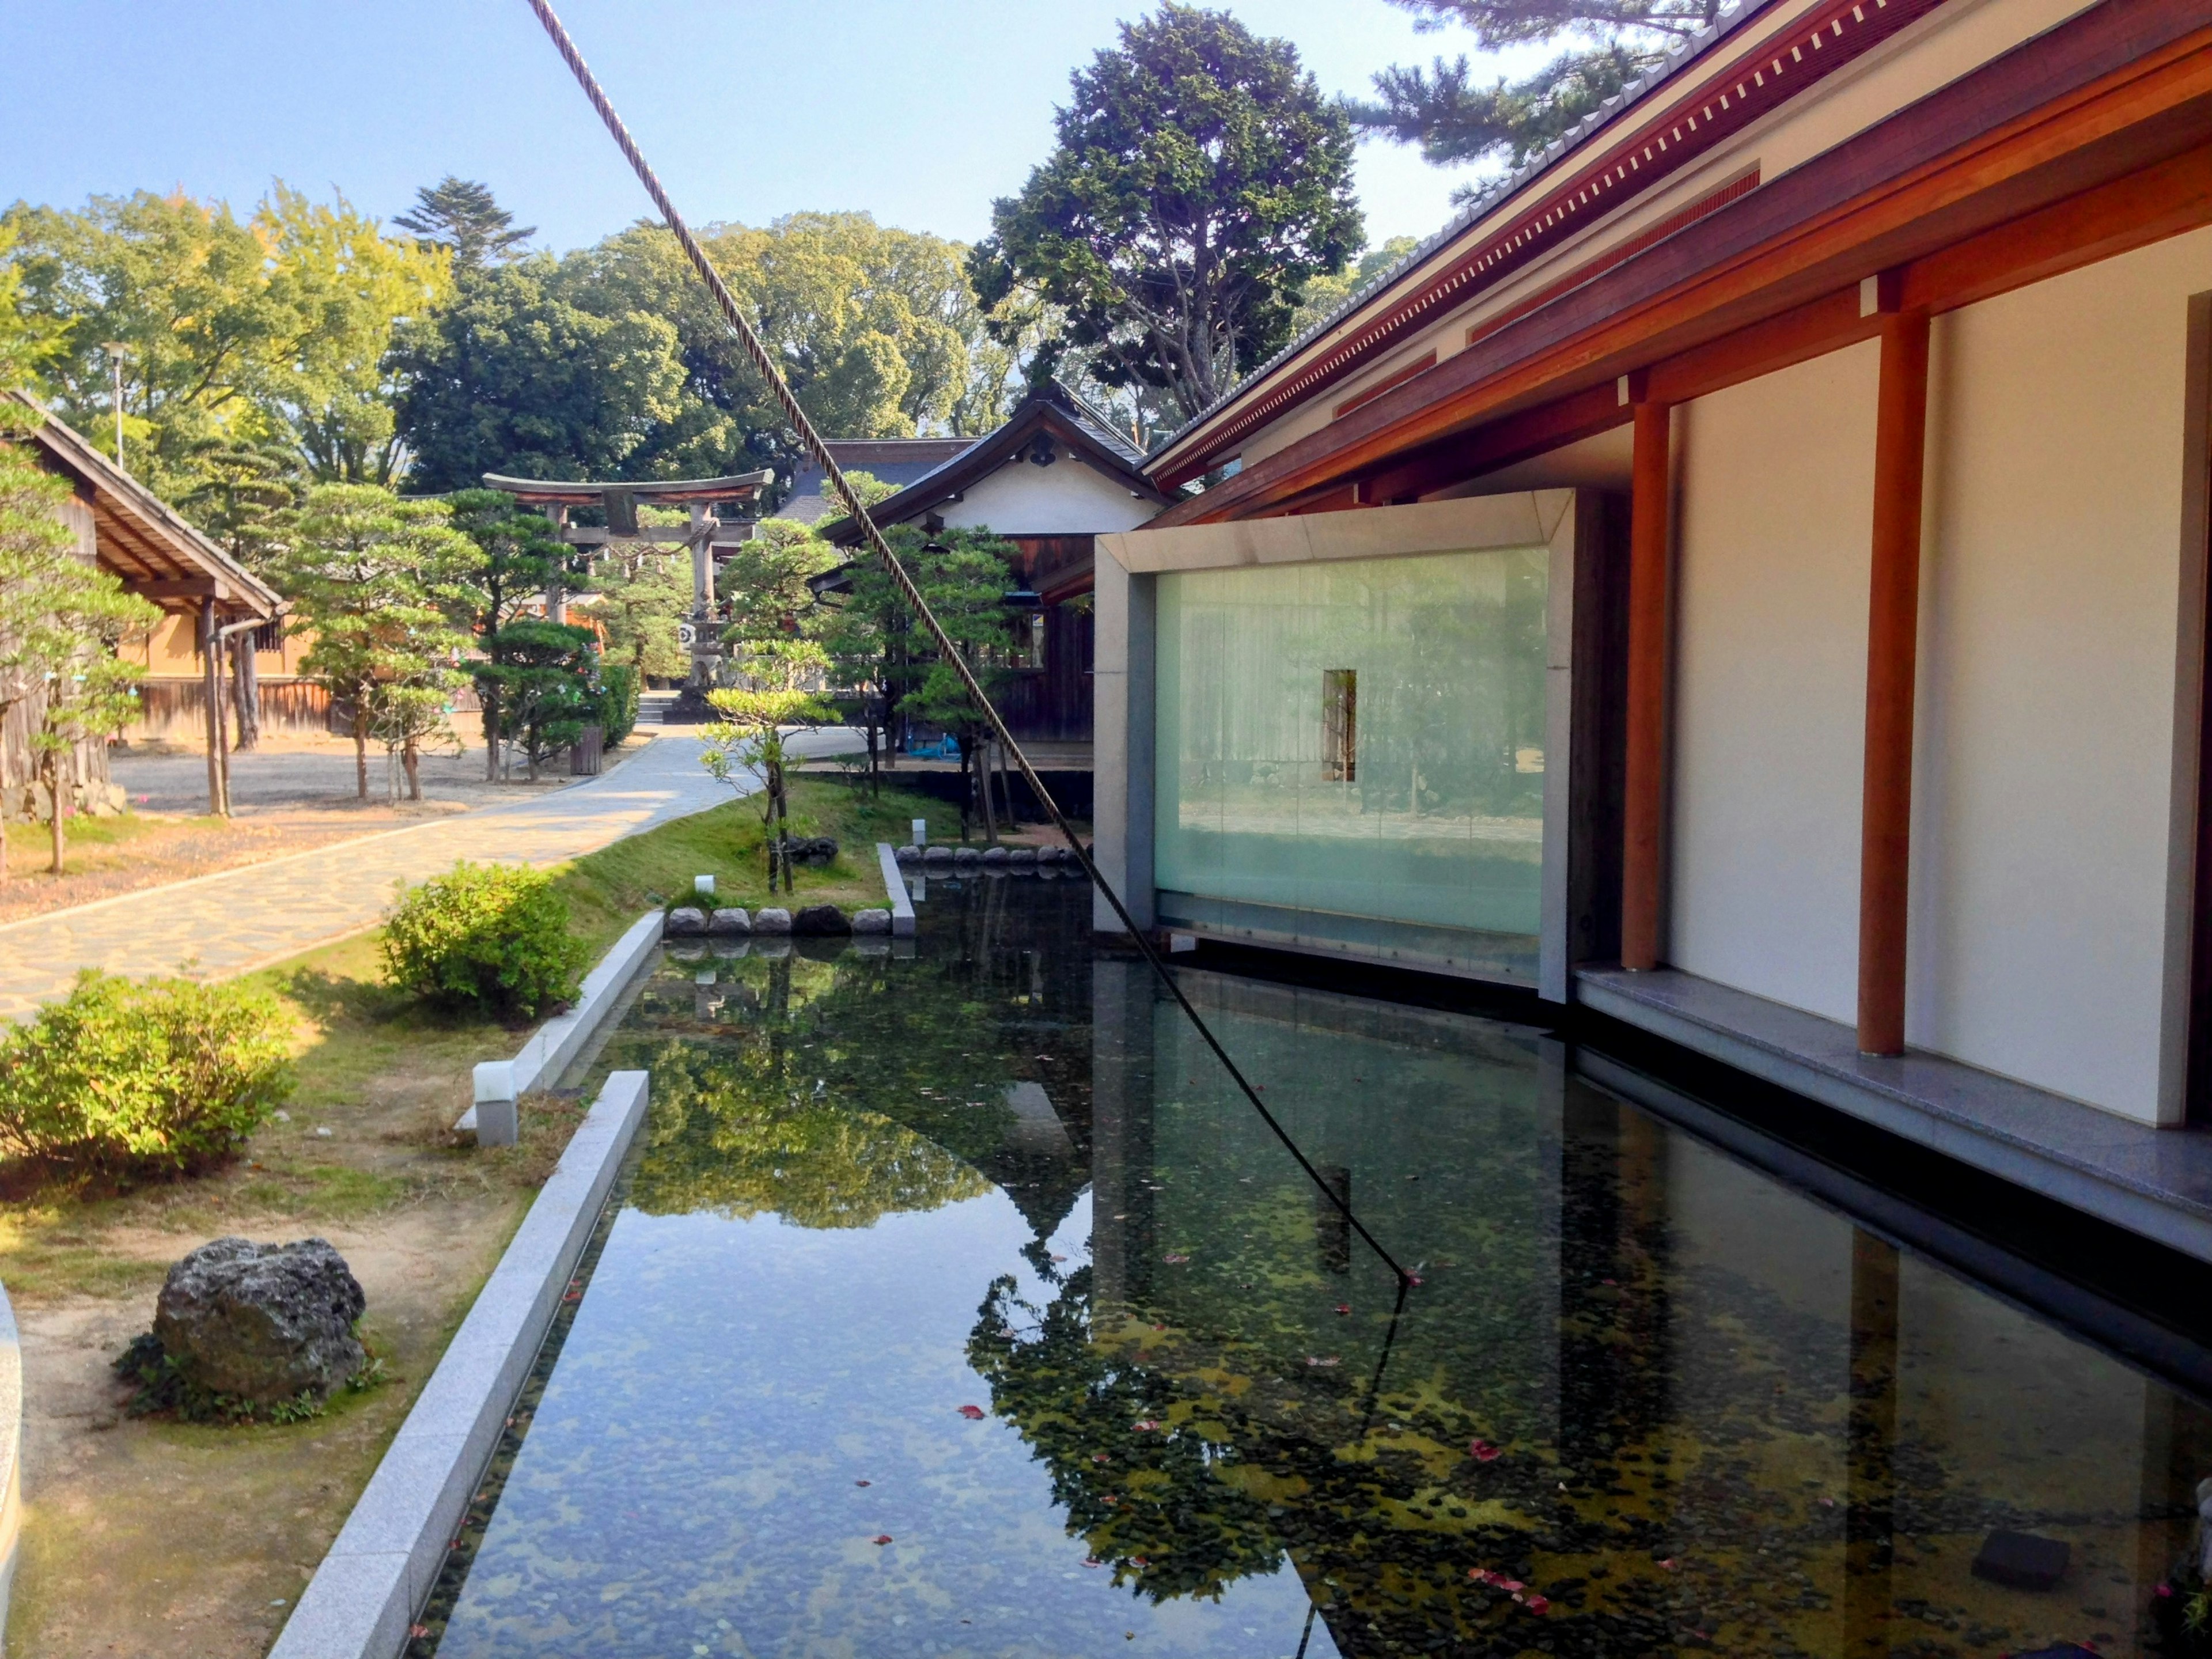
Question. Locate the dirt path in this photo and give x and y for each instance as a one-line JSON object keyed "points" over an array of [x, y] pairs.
{"points": [[168, 1541]]}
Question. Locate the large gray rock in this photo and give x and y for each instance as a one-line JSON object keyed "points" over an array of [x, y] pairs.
{"points": [[685, 921], [821, 921], [724, 923], [871, 921], [261, 1321], [773, 919]]}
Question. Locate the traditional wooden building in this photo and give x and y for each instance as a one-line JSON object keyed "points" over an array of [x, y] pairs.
{"points": [[1050, 481], [206, 594], [1746, 577]]}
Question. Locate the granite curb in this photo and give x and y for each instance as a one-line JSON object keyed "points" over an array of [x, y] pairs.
{"points": [[380, 1571], [895, 889], [540, 1062]]}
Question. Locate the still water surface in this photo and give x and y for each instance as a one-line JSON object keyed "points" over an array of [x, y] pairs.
{"points": [[956, 1307]]}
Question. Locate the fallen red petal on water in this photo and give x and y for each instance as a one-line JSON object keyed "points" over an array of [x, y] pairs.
{"points": [[1138, 1561], [1110, 1500], [1483, 1451], [1538, 1604], [2163, 1590], [1609, 1281], [1828, 1503], [1344, 1307], [882, 1538], [1413, 1279], [863, 1483], [1513, 1584], [1100, 1457], [1092, 1561], [1175, 1260], [1315, 1359], [418, 1632], [973, 1413], [1144, 1425], [1667, 1566]]}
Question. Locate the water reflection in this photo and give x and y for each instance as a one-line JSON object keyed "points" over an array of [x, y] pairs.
{"points": [[1645, 1400]]}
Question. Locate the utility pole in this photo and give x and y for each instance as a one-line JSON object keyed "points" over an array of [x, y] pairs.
{"points": [[115, 351]]}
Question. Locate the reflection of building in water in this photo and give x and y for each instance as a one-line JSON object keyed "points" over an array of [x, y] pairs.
{"points": [[1635, 1368]]}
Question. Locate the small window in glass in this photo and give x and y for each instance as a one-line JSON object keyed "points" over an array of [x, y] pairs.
{"points": [[1339, 725]]}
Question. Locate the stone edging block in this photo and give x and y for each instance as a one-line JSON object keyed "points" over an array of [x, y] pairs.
{"points": [[11, 1452], [540, 1062], [388, 1556], [895, 889]]}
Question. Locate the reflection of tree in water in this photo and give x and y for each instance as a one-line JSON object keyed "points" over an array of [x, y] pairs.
{"points": [[817, 1063], [1382, 1505], [727, 1136]]}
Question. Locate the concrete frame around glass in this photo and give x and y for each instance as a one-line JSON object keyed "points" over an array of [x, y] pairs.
{"points": [[1566, 522]]}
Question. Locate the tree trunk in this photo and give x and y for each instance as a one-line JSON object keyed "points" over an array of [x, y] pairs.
{"points": [[55, 807], [490, 699], [247, 695], [410, 757], [783, 802], [990, 809], [361, 745]]}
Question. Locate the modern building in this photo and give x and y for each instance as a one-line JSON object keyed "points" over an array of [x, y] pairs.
{"points": [[1746, 577], [1050, 480]]}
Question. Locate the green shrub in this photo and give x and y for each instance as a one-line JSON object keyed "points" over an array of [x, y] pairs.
{"points": [[617, 701], [484, 936], [165, 1075]]}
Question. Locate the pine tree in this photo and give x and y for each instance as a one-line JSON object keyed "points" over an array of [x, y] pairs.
{"points": [[1455, 116], [462, 214]]}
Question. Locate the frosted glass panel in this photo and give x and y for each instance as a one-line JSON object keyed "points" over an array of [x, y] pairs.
{"points": [[1359, 740]]}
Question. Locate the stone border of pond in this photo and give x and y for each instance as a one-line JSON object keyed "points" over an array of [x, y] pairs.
{"points": [[895, 889], [11, 1454], [386, 1558], [541, 1060]]}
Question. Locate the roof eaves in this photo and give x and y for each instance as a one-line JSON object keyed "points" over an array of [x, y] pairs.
{"points": [[1733, 14]]}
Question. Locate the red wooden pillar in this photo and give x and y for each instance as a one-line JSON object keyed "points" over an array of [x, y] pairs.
{"points": [[1893, 643], [1644, 785]]}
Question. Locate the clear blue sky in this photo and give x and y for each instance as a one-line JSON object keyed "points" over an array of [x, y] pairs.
{"points": [[919, 113]]}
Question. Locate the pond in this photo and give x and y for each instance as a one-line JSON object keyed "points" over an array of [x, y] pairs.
{"points": [[954, 1305]]}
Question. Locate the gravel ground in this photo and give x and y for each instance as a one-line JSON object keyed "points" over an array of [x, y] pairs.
{"points": [[303, 775]]}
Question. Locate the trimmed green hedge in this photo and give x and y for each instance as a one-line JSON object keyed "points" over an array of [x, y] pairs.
{"points": [[164, 1075], [617, 701], [484, 936]]}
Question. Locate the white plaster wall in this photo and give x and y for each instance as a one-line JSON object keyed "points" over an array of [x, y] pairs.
{"points": [[1774, 498], [2051, 574], [1065, 499]]}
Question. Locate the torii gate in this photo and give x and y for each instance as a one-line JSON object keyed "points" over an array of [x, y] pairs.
{"points": [[705, 536]]}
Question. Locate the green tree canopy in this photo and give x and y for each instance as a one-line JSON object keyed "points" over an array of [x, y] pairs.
{"points": [[515, 377], [462, 217], [876, 328], [269, 333], [1200, 181], [1458, 115]]}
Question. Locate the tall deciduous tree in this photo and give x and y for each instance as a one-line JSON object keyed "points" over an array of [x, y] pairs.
{"points": [[271, 332], [1199, 181], [376, 578], [462, 217], [1458, 115], [514, 377]]}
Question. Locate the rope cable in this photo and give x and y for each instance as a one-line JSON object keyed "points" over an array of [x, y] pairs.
{"points": [[733, 315]]}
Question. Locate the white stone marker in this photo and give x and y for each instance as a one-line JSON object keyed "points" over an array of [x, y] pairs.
{"points": [[921, 832], [498, 1122], [703, 885]]}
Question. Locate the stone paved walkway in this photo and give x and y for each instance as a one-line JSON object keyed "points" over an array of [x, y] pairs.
{"points": [[238, 920]]}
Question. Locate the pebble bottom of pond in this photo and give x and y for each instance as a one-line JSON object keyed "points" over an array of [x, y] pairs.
{"points": [[954, 1304]]}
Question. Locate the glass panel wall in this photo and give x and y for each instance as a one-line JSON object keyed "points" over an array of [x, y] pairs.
{"points": [[1352, 754]]}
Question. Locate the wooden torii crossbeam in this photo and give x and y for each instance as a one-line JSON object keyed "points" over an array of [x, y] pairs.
{"points": [[705, 534]]}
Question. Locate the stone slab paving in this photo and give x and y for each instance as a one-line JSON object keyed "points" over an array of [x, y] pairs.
{"points": [[238, 920]]}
